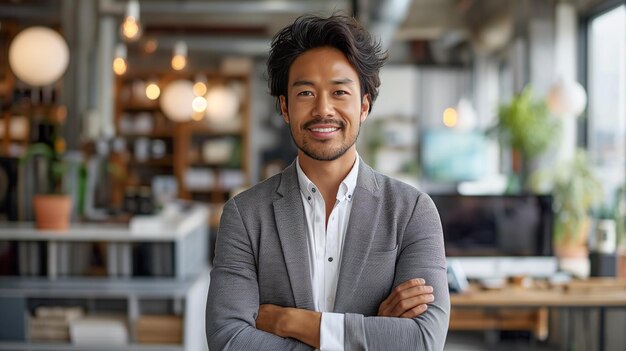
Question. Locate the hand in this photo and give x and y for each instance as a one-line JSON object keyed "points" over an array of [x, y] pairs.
{"points": [[288, 322], [407, 300], [271, 319]]}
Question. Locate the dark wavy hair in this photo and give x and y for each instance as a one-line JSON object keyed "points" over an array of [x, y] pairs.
{"points": [[338, 31]]}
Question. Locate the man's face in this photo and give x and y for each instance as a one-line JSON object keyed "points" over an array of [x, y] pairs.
{"points": [[324, 108]]}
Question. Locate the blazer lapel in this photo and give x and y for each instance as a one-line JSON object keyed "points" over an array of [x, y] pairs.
{"points": [[357, 242], [291, 225]]}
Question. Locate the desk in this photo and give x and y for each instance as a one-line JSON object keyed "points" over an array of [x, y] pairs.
{"points": [[595, 293]]}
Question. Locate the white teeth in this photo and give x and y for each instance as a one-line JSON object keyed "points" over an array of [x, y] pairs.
{"points": [[324, 130]]}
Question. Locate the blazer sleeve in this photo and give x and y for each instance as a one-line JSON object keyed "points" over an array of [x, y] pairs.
{"points": [[422, 256], [233, 299]]}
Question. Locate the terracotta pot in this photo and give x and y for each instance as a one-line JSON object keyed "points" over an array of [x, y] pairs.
{"points": [[574, 246], [52, 212]]}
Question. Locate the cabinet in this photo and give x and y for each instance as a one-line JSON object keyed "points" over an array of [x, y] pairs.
{"points": [[146, 292]]}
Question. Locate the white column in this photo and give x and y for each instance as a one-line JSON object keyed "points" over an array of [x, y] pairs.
{"points": [[565, 68], [106, 44]]}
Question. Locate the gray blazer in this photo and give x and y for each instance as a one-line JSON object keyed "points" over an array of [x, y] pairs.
{"points": [[394, 234]]}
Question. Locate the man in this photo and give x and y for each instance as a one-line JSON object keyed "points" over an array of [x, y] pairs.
{"points": [[328, 254]]}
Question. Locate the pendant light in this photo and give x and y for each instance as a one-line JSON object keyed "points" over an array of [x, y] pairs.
{"points": [[131, 27], [179, 59]]}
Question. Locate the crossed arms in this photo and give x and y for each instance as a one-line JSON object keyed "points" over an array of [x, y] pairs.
{"points": [[236, 320], [407, 300]]}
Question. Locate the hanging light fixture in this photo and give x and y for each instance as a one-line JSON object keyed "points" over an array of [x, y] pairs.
{"points": [[222, 103], [200, 85], [199, 103], [179, 59], [177, 100], [150, 45], [131, 27], [152, 90], [119, 62], [38, 56]]}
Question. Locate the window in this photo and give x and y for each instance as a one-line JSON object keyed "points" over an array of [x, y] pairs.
{"points": [[606, 85]]}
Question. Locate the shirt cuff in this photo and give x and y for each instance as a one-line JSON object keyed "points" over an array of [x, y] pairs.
{"points": [[332, 332]]}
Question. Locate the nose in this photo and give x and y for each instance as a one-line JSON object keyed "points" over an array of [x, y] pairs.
{"points": [[323, 107]]}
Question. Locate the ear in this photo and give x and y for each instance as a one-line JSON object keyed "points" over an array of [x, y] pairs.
{"points": [[365, 107], [283, 108]]}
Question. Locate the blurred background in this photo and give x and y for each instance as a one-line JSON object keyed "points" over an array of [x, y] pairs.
{"points": [[126, 125]]}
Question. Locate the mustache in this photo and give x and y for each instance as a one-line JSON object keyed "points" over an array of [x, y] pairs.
{"points": [[328, 121]]}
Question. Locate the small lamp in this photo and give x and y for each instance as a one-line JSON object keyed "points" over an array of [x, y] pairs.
{"points": [[38, 56]]}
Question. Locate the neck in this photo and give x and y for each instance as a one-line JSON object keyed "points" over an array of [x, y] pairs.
{"points": [[327, 175]]}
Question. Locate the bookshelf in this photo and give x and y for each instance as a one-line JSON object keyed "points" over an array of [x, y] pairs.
{"points": [[209, 158], [137, 295]]}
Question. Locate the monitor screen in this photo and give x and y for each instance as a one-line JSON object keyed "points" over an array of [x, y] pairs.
{"points": [[496, 225], [451, 156]]}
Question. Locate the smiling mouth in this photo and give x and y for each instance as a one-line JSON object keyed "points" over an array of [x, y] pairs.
{"points": [[324, 130]]}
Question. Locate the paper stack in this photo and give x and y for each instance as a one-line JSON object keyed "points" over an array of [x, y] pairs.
{"points": [[99, 330], [52, 323]]}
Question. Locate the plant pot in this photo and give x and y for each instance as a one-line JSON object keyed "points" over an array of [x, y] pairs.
{"points": [[574, 245], [52, 212]]}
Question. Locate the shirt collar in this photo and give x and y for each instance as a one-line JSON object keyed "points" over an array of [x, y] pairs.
{"points": [[346, 188]]}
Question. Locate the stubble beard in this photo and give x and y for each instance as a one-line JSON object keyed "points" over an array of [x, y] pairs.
{"points": [[322, 153]]}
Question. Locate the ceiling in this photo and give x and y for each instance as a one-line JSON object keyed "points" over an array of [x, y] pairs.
{"points": [[246, 26]]}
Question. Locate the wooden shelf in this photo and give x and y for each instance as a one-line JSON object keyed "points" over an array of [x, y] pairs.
{"points": [[140, 106], [208, 131], [161, 162], [156, 134], [210, 191], [201, 164]]}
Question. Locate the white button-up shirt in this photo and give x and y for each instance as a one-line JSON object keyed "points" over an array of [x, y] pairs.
{"points": [[325, 247]]}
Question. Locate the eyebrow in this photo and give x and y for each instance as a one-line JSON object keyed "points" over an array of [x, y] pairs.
{"points": [[334, 81]]}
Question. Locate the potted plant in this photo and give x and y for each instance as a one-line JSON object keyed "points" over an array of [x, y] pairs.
{"points": [[576, 190], [53, 206], [526, 126]]}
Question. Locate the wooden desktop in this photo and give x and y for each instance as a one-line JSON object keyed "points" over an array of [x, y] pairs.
{"points": [[527, 308]]}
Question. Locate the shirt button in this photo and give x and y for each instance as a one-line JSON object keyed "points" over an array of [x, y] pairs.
{"points": [[309, 198], [330, 259], [349, 196], [313, 190]]}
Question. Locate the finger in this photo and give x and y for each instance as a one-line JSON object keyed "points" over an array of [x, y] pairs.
{"points": [[409, 284], [410, 303], [404, 286], [415, 311], [395, 298], [406, 300]]}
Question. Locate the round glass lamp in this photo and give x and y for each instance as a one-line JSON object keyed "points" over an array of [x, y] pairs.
{"points": [[222, 104], [177, 100], [38, 56]]}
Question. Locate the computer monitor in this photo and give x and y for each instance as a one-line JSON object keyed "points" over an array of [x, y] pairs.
{"points": [[496, 225]]}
